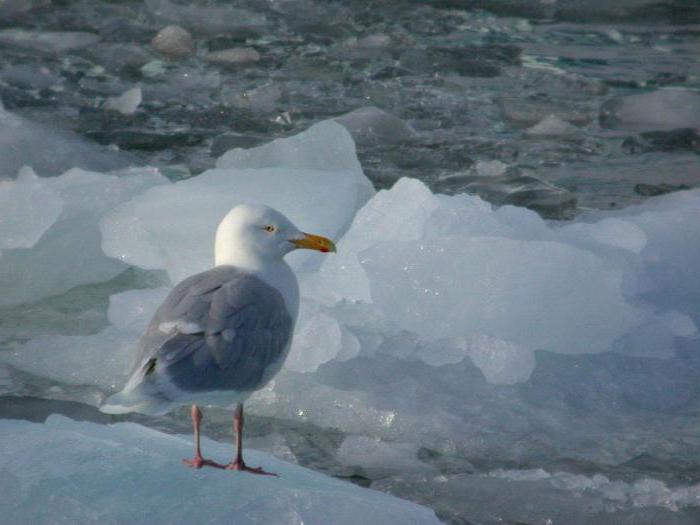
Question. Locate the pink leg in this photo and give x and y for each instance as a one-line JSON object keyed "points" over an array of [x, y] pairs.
{"points": [[198, 461], [238, 463]]}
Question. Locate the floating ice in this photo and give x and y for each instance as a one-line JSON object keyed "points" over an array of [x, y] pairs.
{"points": [[77, 472], [540, 295], [615, 494], [372, 125], [67, 250], [48, 41], [27, 209], [60, 149], [656, 110], [501, 362], [104, 359], [378, 458], [126, 103], [325, 146]]}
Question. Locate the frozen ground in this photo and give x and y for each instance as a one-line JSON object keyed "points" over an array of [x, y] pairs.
{"points": [[462, 349]]}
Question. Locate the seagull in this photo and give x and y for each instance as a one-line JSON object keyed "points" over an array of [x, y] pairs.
{"points": [[223, 333]]}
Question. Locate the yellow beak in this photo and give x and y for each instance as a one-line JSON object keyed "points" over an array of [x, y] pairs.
{"points": [[315, 242]]}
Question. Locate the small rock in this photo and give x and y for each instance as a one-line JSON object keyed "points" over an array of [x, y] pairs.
{"points": [[173, 41], [127, 103], [236, 56]]}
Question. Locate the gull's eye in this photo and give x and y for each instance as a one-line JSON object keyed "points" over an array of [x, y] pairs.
{"points": [[270, 228]]}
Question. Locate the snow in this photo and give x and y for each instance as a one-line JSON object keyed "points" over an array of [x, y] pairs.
{"points": [[63, 471]]}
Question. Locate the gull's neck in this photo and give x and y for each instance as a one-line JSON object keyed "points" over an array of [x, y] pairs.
{"points": [[273, 271]]}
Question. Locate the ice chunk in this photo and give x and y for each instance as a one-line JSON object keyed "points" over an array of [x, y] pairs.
{"points": [[104, 359], [317, 340], [372, 125], [644, 492], [126, 103], [379, 458], [27, 209], [501, 362], [172, 226], [61, 149], [48, 41], [39, 458], [540, 295], [385, 217], [131, 311], [610, 231], [68, 253], [655, 336], [656, 110], [325, 146]]}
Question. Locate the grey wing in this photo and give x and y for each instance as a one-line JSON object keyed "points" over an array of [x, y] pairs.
{"points": [[219, 330]]}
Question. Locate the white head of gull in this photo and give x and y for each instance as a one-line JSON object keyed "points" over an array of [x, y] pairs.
{"points": [[223, 333]]}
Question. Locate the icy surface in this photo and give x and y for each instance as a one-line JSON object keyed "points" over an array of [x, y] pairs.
{"points": [[64, 471]]}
